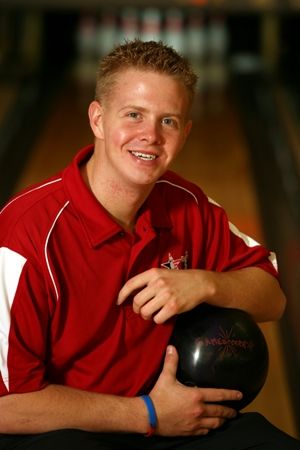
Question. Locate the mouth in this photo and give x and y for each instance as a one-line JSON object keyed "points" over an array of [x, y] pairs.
{"points": [[143, 156]]}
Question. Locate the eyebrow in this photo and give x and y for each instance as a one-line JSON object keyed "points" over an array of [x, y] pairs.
{"points": [[142, 109]]}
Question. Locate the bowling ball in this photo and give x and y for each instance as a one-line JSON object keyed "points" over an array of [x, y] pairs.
{"points": [[221, 348]]}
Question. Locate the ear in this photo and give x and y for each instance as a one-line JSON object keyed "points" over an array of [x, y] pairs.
{"points": [[96, 118], [187, 128]]}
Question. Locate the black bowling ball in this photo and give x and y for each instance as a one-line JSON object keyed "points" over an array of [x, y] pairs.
{"points": [[221, 348]]}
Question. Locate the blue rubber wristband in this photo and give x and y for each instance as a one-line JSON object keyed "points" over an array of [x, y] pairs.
{"points": [[151, 415]]}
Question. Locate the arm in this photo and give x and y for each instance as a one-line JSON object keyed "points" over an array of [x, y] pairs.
{"points": [[180, 410], [164, 293], [58, 407]]}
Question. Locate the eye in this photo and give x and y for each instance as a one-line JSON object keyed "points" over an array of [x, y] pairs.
{"points": [[169, 122], [134, 115]]}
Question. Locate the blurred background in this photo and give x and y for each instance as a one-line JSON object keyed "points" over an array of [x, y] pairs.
{"points": [[244, 149]]}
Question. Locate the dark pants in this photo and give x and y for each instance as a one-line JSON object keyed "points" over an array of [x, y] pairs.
{"points": [[248, 431]]}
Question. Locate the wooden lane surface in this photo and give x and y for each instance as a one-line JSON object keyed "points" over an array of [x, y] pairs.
{"points": [[215, 157]]}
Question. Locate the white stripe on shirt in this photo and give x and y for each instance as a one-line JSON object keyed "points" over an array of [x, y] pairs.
{"points": [[29, 192], [11, 266], [250, 242], [46, 248], [179, 187]]}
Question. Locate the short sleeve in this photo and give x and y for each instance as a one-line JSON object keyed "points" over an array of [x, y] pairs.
{"points": [[23, 324]]}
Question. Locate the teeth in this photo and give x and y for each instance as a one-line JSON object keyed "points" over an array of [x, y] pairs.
{"points": [[144, 156]]}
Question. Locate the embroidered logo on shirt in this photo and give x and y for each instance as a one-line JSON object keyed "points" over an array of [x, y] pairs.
{"points": [[176, 264]]}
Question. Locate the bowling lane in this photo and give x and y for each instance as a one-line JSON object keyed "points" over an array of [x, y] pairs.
{"points": [[217, 158], [23, 109], [65, 130], [8, 99], [8, 94], [274, 142]]}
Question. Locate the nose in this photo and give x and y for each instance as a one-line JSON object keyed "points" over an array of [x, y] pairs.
{"points": [[151, 132]]}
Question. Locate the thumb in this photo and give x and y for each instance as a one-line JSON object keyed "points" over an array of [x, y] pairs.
{"points": [[171, 362]]}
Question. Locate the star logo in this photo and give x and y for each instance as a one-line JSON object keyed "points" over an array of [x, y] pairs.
{"points": [[176, 264]]}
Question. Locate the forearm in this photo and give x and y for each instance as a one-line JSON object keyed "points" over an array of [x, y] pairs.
{"points": [[251, 289], [161, 294], [58, 407]]}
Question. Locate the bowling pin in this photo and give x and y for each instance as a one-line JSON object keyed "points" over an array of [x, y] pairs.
{"points": [[107, 32], [129, 24], [85, 65], [151, 22], [218, 38], [196, 36], [196, 45], [85, 38], [217, 70], [174, 32]]}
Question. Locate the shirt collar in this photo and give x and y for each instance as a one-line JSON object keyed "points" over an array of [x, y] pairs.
{"points": [[99, 226]]}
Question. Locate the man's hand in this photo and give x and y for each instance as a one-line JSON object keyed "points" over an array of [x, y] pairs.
{"points": [[162, 293], [184, 411]]}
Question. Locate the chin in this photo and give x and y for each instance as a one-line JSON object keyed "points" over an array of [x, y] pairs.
{"points": [[141, 180]]}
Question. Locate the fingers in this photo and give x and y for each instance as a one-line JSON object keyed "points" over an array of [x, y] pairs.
{"points": [[184, 410], [171, 362], [213, 395], [155, 294], [126, 291], [134, 284], [218, 412], [141, 302], [158, 306], [169, 310]]}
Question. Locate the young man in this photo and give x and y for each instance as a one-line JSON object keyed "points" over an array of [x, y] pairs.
{"points": [[87, 302]]}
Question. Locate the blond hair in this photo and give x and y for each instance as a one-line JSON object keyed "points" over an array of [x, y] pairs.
{"points": [[146, 56]]}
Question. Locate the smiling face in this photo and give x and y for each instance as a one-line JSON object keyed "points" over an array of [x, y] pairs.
{"points": [[140, 127]]}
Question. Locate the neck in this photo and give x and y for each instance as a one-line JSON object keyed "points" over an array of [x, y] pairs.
{"points": [[120, 201]]}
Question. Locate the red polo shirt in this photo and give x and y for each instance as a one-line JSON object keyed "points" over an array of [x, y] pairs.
{"points": [[63, 261]]}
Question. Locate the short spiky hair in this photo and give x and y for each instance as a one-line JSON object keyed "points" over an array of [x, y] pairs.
{"points": [[151, 56]]}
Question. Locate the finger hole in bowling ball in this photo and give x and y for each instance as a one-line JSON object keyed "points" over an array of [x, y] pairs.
{"points": [[221, 348]]}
